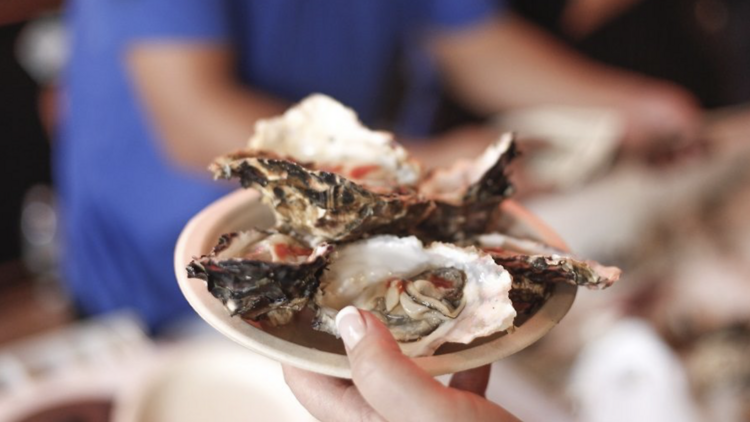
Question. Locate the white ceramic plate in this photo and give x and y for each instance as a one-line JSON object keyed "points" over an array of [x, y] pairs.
{"points": [[299, 345]]}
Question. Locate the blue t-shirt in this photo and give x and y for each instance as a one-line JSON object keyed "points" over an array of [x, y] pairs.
{"points": [[123, 203]]}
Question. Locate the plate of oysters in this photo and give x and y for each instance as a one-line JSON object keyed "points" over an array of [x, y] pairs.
{"points": [[334, 214]]}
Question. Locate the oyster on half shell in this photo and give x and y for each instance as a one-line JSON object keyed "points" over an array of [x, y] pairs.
{"points": [[425, 295], [319, 205], [326, 176], [539, 263], [328, 136], [262, 275]]}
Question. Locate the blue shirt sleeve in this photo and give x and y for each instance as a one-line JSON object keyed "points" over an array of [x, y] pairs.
{"points": [[455, 14], [189, 20]]}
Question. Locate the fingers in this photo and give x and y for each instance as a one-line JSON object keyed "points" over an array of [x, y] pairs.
{"points": [[389, 381], [326, 398], [474, 380]]}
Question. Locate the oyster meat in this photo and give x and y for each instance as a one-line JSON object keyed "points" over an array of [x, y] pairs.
{"points": [[425, 295], [262, 275], [467, 194]]}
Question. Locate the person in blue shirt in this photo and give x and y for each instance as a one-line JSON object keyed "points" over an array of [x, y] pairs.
{"points": [[156, 89]]}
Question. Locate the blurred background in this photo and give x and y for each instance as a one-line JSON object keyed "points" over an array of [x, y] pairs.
{"points": [[633, 118]]}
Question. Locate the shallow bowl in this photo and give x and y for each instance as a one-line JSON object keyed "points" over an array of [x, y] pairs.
{"points": [[299, 345]]}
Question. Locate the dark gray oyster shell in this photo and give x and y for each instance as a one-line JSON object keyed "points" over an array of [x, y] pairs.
{"points": [[467, 195], [535, 267], [262, 275], [320, 205], [544, 264]]}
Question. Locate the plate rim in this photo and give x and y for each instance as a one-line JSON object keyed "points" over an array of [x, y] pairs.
{"points": [[213, 312]]}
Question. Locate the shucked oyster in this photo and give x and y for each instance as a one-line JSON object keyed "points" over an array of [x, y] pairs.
{"points": [[426, 296], [262, 275], [540, 263], [323, 206], [468, 194], [320, 132], [535, 267], [326, 176]]}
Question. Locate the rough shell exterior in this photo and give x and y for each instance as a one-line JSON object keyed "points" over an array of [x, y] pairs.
{"points": [[322, 206], [259, 289], [542, 263]]}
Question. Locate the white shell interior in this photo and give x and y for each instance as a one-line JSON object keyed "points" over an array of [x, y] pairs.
{"points": [[319, 129]]}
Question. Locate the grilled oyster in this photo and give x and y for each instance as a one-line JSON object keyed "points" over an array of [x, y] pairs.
{"points": [[426, 296], [467, 194], [262, 275]]}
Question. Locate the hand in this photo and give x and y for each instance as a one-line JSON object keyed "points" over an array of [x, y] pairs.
{"points": [[388, 386]]}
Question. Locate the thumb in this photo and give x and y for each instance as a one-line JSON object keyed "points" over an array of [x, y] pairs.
{"points": [[389, 381]]}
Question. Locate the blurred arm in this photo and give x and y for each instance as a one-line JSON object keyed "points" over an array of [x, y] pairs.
{"points": [[194, 101], [507, 63]]}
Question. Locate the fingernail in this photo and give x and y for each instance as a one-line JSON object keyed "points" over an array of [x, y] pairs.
{"points": [[351, 326]]}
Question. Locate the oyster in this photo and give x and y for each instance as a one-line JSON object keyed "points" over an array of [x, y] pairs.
{"points": [[262, 275], [329, 136], [539, 263], [323, 206], [327, 177], [426, 296], [467, 194]]}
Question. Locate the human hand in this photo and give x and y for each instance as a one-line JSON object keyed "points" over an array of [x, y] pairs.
{"points": [[388, 386]]}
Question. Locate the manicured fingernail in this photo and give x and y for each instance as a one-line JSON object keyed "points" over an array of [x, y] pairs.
{"points": [[351, 326]]}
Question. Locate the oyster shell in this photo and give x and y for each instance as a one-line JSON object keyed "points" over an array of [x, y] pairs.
{"points": [[261, 275], [325, 135], [319, 205], [540, 263], [467, 194], [426, 296], [327, 177]]}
